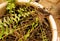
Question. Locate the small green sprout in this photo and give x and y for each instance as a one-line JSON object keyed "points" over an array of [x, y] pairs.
{"points": [[11, 6]]}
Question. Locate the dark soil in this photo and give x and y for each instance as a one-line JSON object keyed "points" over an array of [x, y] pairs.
{"points": [[34, 27]]}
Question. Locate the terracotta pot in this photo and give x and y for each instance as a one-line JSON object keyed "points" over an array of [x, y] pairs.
{"points": [[51, 19]]}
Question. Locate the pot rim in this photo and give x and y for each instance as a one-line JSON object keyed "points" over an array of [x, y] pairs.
{"points": [[54, 28]]}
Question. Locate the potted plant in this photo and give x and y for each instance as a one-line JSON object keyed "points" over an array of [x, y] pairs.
{"points": [[24, 20]]}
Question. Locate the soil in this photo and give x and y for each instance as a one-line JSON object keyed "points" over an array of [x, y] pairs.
{"points": [[33, 27]]}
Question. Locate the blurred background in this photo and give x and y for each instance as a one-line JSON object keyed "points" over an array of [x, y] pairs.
{"points": [[53, 7], [1, 1]]}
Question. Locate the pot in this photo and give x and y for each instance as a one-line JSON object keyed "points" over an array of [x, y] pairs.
{"points": [[36, 5]]}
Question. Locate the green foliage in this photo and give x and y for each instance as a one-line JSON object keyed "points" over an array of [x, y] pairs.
{"points": [[34, 25], [11, 1], [13, 19], [30, 0], [43, 34], [11, 6], [27, 35]]}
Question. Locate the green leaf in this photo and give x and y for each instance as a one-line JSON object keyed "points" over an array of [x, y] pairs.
{"points": [[10, 6], [11, 31], [1, 35], [2, 31], [37, 19], [30, 0], [27, 35], [33, 24], [7, 31], [11, 1]]}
